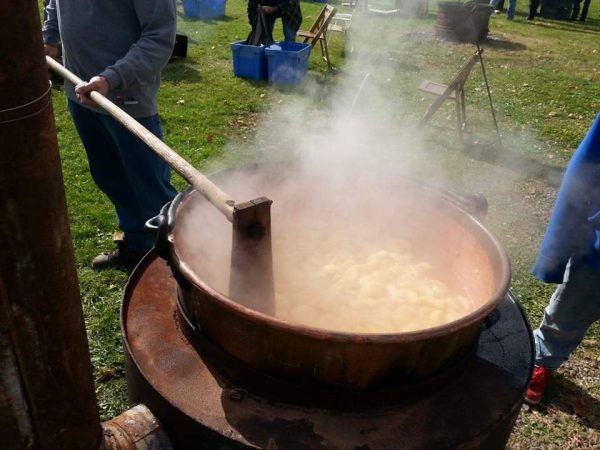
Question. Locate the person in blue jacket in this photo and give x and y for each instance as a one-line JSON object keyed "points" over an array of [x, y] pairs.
{"points": [[120, 47], [570, 256]]}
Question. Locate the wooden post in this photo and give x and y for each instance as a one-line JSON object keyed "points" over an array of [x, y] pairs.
{"points": [[47, 398]]}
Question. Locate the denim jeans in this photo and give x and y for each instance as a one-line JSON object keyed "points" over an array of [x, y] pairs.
{"points": [[288, 34], [510, 12], [573, 308], [135, 180]]}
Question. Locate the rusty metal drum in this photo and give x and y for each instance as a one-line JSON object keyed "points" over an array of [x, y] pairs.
{"points": [[206, 399]]}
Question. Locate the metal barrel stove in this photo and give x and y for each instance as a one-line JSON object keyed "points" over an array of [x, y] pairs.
{"points": [[220, 375]]}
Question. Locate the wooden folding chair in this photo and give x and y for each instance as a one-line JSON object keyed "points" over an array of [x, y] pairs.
{"points": [[454, 91], [318, 32]]}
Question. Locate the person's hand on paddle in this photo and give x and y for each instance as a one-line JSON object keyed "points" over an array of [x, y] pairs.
{"points": [[83, 90], [53, 51]]}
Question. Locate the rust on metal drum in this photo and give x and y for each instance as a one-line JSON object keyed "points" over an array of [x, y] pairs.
{"points": [[206, 400]]}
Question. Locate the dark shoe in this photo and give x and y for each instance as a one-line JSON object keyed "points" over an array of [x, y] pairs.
{"points": [[121, 257], [537, 385]]}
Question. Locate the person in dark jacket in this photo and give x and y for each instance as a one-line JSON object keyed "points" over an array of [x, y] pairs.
{"points": [[288, 10]]}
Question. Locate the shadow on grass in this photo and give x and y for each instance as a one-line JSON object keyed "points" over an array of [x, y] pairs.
{"points": [[494, 42], [402, 66], [181, 70], [566, 396], [252, 82], [315, 85], [589, 27], [514, 161]]}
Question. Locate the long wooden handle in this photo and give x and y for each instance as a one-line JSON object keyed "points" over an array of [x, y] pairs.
{"points": [[202, 184]]}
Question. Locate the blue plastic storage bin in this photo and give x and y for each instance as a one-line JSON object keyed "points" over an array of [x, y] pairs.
{"points": [[288, 62], [204, 9], [249, 61]]}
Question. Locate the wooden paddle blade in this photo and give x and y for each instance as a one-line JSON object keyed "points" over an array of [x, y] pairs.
{"points": [[251, 279]]}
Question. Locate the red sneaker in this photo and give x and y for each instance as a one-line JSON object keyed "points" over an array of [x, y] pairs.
{"points": [[537, 385]]}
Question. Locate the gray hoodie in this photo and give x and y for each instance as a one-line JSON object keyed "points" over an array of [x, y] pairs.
{"points": [[126, 41]]}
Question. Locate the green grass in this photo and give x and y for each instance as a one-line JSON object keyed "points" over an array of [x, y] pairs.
{"points": [[545, 80]]}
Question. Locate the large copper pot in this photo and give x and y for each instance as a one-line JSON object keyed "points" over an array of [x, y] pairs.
{"points": [[464, 251]]}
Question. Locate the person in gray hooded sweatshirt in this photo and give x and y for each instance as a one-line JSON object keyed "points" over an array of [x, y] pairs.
{"points": [[120, 46]]}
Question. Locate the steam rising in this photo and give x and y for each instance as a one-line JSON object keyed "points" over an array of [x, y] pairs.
{"points": [[349, 147]]}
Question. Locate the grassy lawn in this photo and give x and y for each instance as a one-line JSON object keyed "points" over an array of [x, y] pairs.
{"points": [[545, 82]]}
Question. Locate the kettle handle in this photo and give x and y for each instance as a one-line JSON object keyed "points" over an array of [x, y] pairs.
{"points": [[474, 204], [159, 225]]}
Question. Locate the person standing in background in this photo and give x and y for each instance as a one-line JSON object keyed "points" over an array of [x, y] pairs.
{"points": [[584, 11], [499, 5], [120, 46], [533, 7], [288, 10], [570, 256]]}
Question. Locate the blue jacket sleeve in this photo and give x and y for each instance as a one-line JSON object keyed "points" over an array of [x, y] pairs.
{"points": [[572, 230]]}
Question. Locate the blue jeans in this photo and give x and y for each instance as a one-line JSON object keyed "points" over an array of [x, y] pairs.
{"points": [[573, 308], [512, 6], [135, 180], [288, 34]]}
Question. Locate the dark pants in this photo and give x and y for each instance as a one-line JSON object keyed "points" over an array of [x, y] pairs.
{"points": [[584, 11], [533, 7], [135, 180]]}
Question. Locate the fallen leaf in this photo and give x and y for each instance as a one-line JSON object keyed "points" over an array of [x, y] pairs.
{"points": [[209, 138], [552, 114], [262, 95], [181, 101], [525, 84]]}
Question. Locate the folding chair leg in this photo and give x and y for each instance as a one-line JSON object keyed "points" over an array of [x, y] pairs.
{"points": [[464, 109], [459, 119], [434, 107], [325, 50]]}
